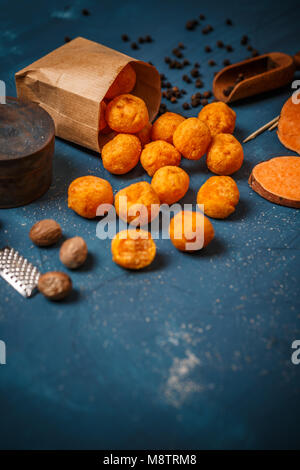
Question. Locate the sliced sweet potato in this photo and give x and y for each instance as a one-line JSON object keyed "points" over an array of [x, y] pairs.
{"points": [[278, 180], [289, 126]]}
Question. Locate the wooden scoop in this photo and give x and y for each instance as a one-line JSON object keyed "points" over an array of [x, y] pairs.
{"points": [[262, 73]]}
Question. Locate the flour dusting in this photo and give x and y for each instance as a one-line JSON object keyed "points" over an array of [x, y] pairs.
{"points": [[179, 385]]}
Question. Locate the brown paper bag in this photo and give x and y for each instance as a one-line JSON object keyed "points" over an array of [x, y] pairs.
{"points": [[70, 83]]}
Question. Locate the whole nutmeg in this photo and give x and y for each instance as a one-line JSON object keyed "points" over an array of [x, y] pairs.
{"points": [[45, 232], [73, 252], [55, 285]]}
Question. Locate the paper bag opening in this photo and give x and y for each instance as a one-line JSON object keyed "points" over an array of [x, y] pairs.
{"points": [[71, 81]]}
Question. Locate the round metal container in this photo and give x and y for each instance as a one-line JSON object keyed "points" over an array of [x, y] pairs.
{"points": [[27, 136]]}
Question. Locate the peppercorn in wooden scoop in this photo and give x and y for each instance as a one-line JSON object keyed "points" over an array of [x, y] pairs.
{"points": [[253, 76]]}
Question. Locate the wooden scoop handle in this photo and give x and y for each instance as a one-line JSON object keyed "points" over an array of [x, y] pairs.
{"points": [[297, 60]]}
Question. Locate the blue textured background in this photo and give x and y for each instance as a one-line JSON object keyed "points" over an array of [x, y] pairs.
{"points": [[194, 352]]}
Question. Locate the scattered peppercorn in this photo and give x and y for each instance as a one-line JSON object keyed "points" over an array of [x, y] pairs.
{"points": [[85, 12], [229, 48], [204, 102], [207, 49], [148, 38], [220, 44], [228, 90], [244, 40], [186, 106], [195, 73], [226, 62], [162, 108], [207, 94], [141, 40], [202, 17], [211, 62], [167, 60], [199, 83], [191, 24], [229, 22], [186, 62], [195, 102], [181, 45], [134, 45], [125, 37], [67, 39], [249, 48], [255, 53], [196, 64], [207, 29]]}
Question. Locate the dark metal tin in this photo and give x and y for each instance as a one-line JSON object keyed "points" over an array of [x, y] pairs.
{"points": [[27, 136]]}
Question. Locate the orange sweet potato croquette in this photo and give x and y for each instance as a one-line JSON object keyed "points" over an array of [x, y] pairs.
{"points": [[192, 138], [170, 184], [289, 125], [133, 249], [121, 154], [165, 126], [225, 155], [158, 154], [145, 134], [86, 193], [219, 195], [137, 204], [124, 82], [102, 121], [219, 117], [127, 114], [190, 231]]}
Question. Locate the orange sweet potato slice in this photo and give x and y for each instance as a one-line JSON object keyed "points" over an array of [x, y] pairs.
{"points": [[278, 180], [289, 126]]}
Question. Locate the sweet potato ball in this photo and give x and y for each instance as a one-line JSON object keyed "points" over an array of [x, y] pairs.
{"points": [[225, 155], [145, 134], [158, 154], [124, 82], [192, 138], [127, 114], [219, 117], [219, 195], [190, 231], [133, 249], [121, 154], [137, 204], [86, 193], [165, 126], [170, 184]]}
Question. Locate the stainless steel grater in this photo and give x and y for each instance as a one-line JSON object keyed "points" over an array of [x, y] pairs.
{"points": [[18, 271]]}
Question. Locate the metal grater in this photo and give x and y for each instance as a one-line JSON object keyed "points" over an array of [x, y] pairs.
{"points": [[18, 271]]}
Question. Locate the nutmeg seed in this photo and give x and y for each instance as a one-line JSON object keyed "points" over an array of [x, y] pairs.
{"points": [[45, 232], [55, 285], [73, 252]]}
